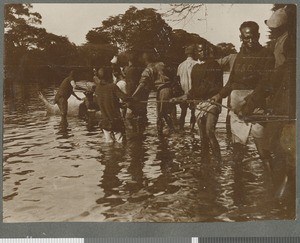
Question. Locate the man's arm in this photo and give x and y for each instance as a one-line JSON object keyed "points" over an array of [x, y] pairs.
{"points": [[225, 91], [223, 61], [73, 93], [214, 79], [119, 93], [96, 80], [263, 88], [144, 83], [73, 84]]}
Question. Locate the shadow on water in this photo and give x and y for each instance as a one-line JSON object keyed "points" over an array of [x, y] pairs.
{"points": [[109, 181], [147, 178]]}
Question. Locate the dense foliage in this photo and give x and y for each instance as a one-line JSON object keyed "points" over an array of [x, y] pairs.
{"points": [[30, 51], [33, 53]]}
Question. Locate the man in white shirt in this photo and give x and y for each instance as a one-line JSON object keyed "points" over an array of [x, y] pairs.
{"points": [[184, 72]]}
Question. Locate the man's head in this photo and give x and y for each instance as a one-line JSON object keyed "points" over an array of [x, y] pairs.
{"points": [[105, 73], [278, 22], [191, 51], [249, 35], [201, 52], [148, 57], [73, 78], [160, 66], [278, 19], [133, 57]]}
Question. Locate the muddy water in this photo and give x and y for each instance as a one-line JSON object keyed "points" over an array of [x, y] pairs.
{"points": [[50, 174]]}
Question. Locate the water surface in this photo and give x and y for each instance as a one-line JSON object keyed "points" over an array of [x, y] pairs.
{"points": [[50, 174]]}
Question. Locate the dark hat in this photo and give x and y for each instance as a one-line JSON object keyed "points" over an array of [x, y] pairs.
{"points": [[277, 19]]}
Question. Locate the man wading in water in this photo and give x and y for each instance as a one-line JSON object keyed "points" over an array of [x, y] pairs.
{"points": [[146, 84], [184, 72], [66, 89], [279, 136], [108, 95], [206, 81], [251, 69]]}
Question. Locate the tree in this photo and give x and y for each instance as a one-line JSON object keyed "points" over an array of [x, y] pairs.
{"points": [[135, 29], [95, 55], [29, 50], [179, 40], [182, 11], [96, 37], [18, 29], [17, 18], [19, 14], [224, 49]]}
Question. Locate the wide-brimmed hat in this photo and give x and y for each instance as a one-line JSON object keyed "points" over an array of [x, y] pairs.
{"points": [[277, 19]]}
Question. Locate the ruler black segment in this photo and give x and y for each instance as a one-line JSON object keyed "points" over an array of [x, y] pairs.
{"points": [[250, 240]]}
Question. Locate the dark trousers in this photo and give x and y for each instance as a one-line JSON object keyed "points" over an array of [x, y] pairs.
{"points": [[139, 109], [207, 126], [282, 145], [62, 105], [164, 109]]}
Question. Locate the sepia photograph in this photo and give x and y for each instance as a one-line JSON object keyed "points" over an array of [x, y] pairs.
{"points": [[156, 112]]}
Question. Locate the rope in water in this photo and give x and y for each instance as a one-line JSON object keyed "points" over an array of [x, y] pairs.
{"points": [[261, 118], [252, 118]]}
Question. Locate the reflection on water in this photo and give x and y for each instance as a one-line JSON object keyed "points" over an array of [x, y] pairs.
{"points": [[64, 172]]}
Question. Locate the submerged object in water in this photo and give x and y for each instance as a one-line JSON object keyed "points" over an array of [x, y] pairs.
{"points": [[52, 109]]}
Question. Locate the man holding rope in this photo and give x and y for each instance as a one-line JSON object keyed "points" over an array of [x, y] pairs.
{"points": [[206, 81], [146, 84], [66, 89], [251, 70], [184, 73], [279, 135]]}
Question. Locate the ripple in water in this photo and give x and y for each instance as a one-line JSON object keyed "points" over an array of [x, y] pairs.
{"points": [[54, 174]]}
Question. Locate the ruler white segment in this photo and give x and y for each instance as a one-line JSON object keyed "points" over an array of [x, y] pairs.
{"points": [[194, 239], [43, 240]]}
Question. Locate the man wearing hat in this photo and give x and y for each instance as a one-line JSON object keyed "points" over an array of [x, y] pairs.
{"points": [[283, 78], [277, 24], [184, 72], [279, 136]]}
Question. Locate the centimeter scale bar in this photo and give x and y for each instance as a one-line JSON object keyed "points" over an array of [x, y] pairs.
{"points": [[158, 240]]}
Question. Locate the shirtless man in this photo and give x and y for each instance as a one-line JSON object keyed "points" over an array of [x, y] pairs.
{"points": [[66, 89]]}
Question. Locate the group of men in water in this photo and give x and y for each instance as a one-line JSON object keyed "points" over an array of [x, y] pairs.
{"points": [[260, 89]]}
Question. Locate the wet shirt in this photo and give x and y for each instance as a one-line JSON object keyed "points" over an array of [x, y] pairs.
{"points": [[207, 80], [148, 76], [279, 52], [281, 90], [227, 60], [184, 72], [163, 77], [132, 78], [122, 86], [108, 95], [249, 70], [146, 82]]}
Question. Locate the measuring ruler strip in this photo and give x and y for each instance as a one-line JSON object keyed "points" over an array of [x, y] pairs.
{"points": [[157, 240]]}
